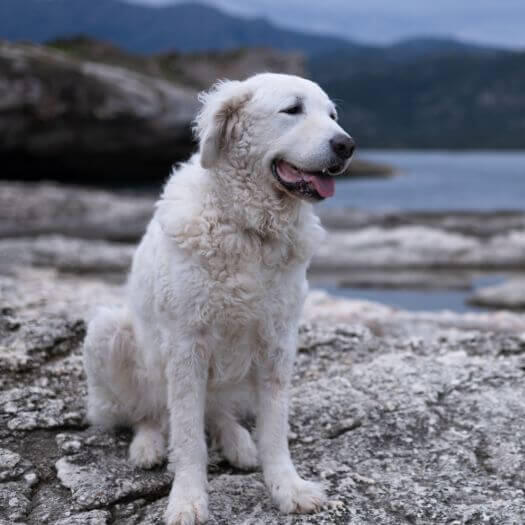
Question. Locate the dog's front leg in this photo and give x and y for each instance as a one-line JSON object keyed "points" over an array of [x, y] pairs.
{"points": [[289, 491], [187, 381]]}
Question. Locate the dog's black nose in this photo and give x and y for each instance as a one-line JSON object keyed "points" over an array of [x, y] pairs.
{"points": [[343, 146]]}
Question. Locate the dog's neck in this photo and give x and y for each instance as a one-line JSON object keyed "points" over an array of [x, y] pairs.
{"points": [[199, 207], [250, 206]]}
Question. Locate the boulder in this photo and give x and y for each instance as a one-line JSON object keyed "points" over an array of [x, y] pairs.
{"points": [[84, 111], [483, 224], [67, 255], [30, 209], [418, 247], [406, 417], [509, 295], [59, 113]]}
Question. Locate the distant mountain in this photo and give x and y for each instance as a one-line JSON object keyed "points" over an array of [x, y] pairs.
{"points": [[412, 48], [429, 93], [190, 27], [347, 62], [182, 27], [446, 101], [420, 92]]}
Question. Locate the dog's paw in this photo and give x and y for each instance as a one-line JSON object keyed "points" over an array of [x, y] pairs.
{"points": [[293, 494], [239, 449], [147, 449], [186, 509]]}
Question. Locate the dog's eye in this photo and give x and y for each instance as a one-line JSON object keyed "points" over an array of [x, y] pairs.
{"points": [[293, 110], [333, 116]]}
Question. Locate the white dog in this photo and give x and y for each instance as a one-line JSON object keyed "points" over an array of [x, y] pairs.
{"points": [[216, 290]]}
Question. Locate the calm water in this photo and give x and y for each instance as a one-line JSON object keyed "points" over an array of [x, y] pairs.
{"points": [[433, 181], [438, 181], [428, 300]]}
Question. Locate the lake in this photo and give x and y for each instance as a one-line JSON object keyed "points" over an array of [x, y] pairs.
{"points": [[439, 180], [433, 181]]}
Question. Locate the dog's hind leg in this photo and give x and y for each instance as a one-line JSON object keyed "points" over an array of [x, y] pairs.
{"points": [[109, 361], [117, 391]]}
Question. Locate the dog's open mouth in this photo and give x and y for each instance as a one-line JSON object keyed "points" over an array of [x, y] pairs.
{"points": [[314, 185]]}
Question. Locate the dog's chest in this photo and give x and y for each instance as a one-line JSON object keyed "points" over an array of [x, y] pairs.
{"points": [[254, 311], [247, 289], [239, 280], [249, 302], [231, 278]]}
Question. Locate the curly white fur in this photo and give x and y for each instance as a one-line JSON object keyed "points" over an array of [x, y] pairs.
{"points": [[214, 299]]}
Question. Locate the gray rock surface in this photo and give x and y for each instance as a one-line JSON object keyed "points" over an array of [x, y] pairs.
{"points": [[387, 320], [203, 69], [67, 254], [43, 209], [420, 279], [508, 295], [28, 209], [84, 110], [94, 107], [407, 417], [474, 223], [419, 247]]}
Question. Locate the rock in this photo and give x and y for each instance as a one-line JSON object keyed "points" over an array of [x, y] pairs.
{"points": [[201, 70], [385, 320], [94, 517], [483, 224], [196, 70], [28, 209], [407, 417], [13, 467], [84, 111], [26, 343], [418, 247], [14, 502], [362, 255], [42, 318], [509, 295], [98, 480], [103, 116], [17, 477], [236, 499], [40, 408], [425, 279], [67, 255]]}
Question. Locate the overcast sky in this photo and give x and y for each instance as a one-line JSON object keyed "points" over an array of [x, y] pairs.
{"points": [[500, 22]]}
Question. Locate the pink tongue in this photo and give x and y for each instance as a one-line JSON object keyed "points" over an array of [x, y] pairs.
{"points": [[325, 186], [287, 173]]}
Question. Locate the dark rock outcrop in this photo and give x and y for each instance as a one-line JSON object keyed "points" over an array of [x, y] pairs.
{"points": [[84, 111], [62, 114]]}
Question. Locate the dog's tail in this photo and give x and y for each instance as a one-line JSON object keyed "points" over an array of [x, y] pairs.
{"points": [[110, 359]]}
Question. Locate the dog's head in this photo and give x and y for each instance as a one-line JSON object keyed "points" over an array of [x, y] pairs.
{"points": [[281, 129]]}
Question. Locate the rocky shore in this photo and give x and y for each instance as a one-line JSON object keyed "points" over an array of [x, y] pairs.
{"points": [[391, 250], [508, 295], [407, 417], [80, 110]]}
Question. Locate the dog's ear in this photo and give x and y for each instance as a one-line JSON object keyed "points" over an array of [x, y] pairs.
{"points": [[220, 111]]}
